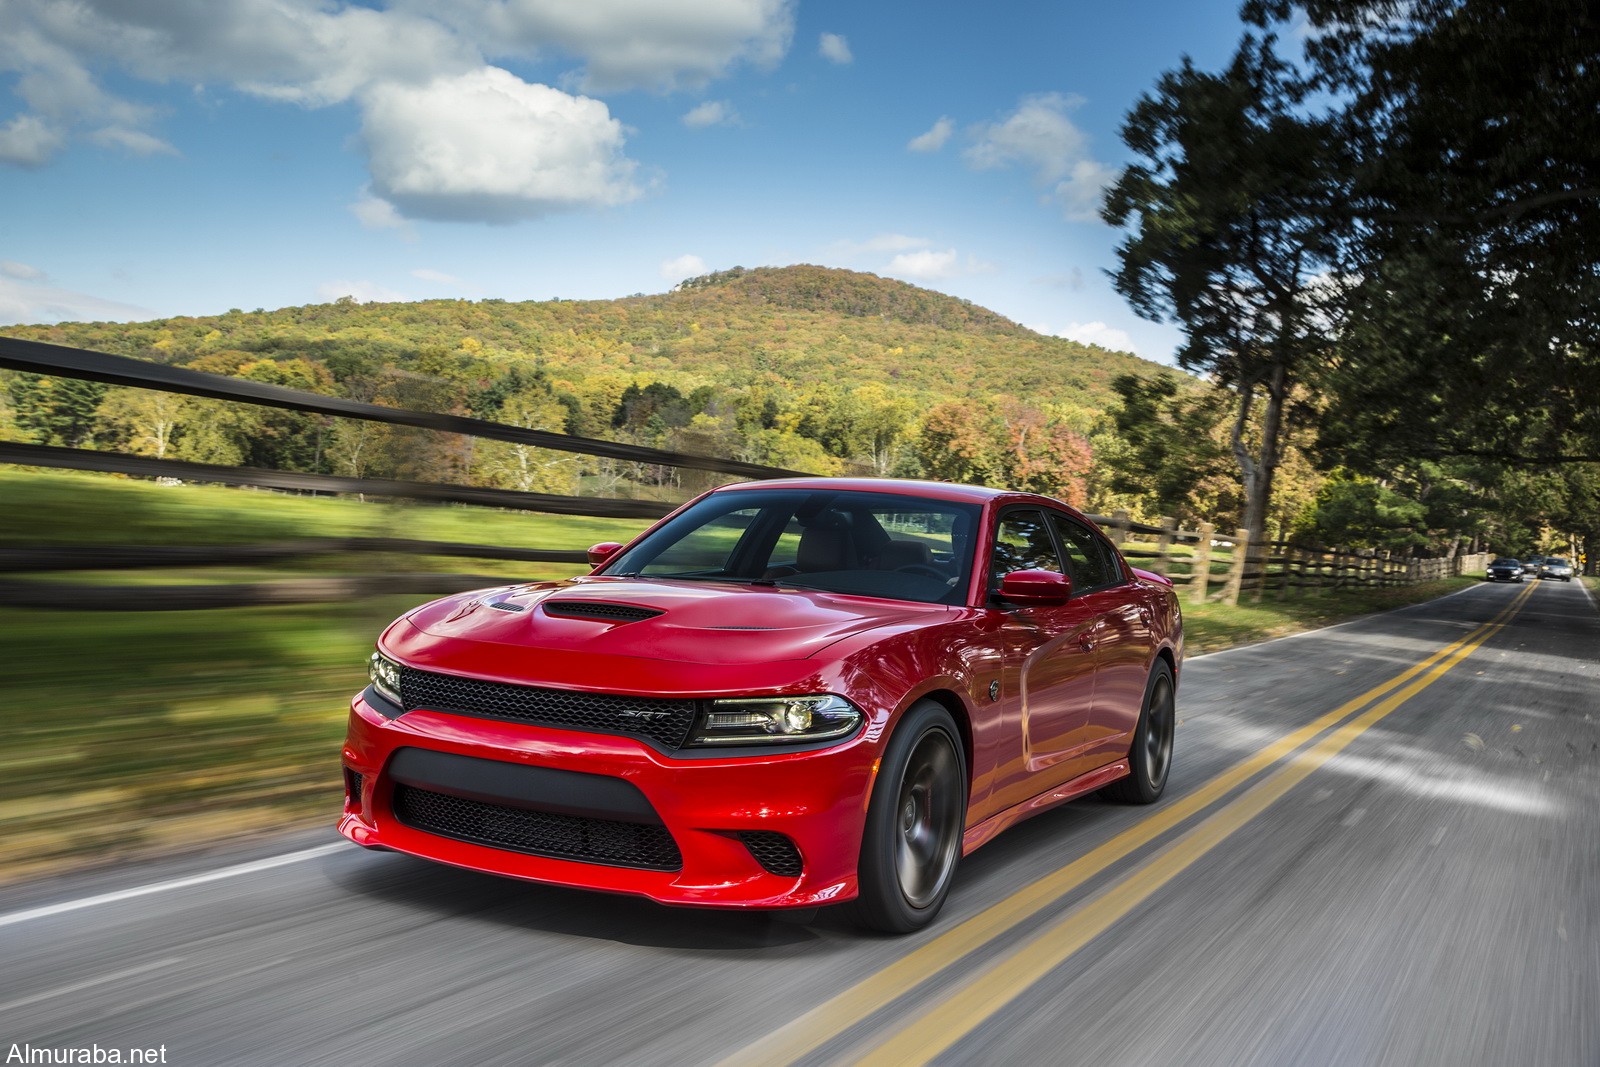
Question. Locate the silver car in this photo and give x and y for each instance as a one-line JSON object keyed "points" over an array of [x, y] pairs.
{"points": [[1556, 567]]}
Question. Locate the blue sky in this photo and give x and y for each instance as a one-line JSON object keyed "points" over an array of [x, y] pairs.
{"points": [[184, 157]]}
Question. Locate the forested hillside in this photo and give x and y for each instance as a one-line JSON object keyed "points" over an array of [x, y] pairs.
{"points": [[802, 367]]}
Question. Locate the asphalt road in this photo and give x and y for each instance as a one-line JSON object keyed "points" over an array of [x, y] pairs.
{"points": [[1340, 873]]}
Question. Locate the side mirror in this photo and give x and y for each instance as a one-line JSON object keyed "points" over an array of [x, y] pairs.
{"points": [[598, 554], [1036, 588]]}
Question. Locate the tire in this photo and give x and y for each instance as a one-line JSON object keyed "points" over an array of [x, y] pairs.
{"points": [[1150, 754], [915, 820]]}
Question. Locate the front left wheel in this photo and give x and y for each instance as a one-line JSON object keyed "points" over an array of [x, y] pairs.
{"points": [[915, 820], [1150, 755]]}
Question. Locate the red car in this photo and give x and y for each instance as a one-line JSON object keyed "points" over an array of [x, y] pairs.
{"points": [[785, 694]]}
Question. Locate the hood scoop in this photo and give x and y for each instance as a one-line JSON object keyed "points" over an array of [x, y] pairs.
{"points": [[595, 609]]}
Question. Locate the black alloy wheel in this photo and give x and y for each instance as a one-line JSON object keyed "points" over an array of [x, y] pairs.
{"points": [[1150, 755], [912, 840]]}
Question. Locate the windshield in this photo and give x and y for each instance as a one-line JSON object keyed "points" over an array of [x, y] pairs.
{"points": [[860, 543]]}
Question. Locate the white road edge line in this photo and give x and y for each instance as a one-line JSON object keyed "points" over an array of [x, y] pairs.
{"points": [[177, 883], [89, 983]]}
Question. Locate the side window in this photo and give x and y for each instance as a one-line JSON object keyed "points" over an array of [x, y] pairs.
{"points": [[1022, 542], [1093, 564]]}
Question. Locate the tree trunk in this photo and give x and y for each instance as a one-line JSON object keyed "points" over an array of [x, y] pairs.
{"points": [[1258, 471]]}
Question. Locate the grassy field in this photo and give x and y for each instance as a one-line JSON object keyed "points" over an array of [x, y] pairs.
{"points": [[138, 732]]}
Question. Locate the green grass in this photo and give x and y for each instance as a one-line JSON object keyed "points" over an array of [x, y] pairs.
{"points": [[93, 509], [141, 732]]}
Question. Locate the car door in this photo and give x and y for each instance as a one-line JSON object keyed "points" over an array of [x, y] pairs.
{"points": [[1120, 633], [1048, 680]]}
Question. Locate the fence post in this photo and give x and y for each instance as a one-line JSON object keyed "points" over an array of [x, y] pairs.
{"points": [[1118, 530], [1169, 529], [1200, 569], [1241, 554], [1263, 554]]}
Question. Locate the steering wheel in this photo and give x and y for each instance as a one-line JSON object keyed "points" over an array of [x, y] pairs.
{"points": [[922, 568]]}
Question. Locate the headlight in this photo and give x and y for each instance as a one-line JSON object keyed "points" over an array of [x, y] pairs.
{"points": [[776, 720], [385, 675]]}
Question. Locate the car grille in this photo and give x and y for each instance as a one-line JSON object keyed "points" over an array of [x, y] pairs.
{"points": [[665, 721], [539, 833], [352, 785], [775, 852]]}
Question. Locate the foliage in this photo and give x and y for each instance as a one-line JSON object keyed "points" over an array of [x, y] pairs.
{"points": [[1468, 223], [1229, 236], [1352, 511], [1171, 448]]}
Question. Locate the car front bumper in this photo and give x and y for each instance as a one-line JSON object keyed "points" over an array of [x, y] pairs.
{"points": [[720, 812]]}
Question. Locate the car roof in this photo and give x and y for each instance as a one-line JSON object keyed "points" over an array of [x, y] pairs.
{"points": [[974, 494]]}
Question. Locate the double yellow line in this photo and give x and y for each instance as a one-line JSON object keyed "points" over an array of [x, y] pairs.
{"points": [[959, 1010]]}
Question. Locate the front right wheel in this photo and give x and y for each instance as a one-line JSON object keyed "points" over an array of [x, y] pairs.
{"points": [[915, 820]]}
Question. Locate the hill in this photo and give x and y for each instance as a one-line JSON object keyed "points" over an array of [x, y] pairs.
{"points": [[785, 326], [802, 367]]}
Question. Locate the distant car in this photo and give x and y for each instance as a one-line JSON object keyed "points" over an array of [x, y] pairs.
{"points": [[783, 695], [1531, 566], [1505, 569], [1556, 567]]}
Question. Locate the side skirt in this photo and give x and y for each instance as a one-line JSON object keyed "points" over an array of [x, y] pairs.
{"points": [[991, 827]]}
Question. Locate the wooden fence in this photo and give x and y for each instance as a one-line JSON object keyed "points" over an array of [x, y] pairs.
{"points": [[1206, 565], [1210, 566]]}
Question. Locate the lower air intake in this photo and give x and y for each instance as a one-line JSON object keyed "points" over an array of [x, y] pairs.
{"points": [[775, 853], [538, 833]]}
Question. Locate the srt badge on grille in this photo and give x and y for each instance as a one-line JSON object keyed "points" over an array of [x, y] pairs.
{"points": [[637, 713]]}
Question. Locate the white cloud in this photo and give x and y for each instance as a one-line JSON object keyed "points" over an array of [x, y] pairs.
{"points": [[1041, 137], [927, 264], [835, 49], [137, 142], [935, 138], [12, 269], [364, 292], [884, 242], [488, 147], [375, 213], [685, 266], [711, 113], [22, 300], [628, 43], [506, 149], [1095, 333], [303, 51], [26, 141], [435, 276]]}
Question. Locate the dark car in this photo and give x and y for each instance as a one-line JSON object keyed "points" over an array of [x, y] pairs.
{"points": [[1556, 567], [783, 695], [1505, 569]]}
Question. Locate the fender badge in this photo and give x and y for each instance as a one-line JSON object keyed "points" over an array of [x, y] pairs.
{"points": [[994, 690]]}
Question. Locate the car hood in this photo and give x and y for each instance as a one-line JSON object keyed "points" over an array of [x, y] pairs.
{"points": [[718, 623]]}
